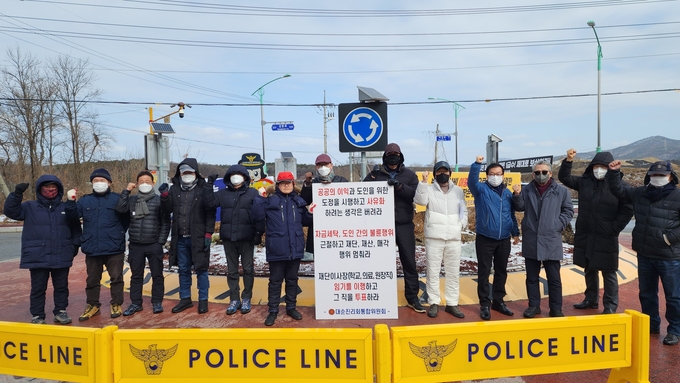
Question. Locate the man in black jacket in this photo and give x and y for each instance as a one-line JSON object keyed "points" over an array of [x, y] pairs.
{"points": [[601, 217], [405, 182], [325, 175], [149, 229]]}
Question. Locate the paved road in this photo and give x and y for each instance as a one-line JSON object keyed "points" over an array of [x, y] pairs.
{"points": [[10, 246]]}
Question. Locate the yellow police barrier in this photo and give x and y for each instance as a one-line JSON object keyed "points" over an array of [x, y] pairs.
{"points": [[239, 355], [481, 350], [74, 354]]}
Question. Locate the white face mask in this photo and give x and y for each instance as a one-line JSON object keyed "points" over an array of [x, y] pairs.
{"points": [[236, 179], [324, 171], [495, 180], [145, 188], [659, 181], [188, 178], [100, 187], [599, 173]]}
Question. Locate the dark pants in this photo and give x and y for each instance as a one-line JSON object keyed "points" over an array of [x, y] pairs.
{"points": [[278, 271], [39, 279], [650, 270], [137, 257], [95, 268], [552, 272], [610, 298], [232, 251], [406, 242], [491, 252]]}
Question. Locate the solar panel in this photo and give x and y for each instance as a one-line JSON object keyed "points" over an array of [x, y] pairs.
{"points": [[287, 155], [159, 127]]}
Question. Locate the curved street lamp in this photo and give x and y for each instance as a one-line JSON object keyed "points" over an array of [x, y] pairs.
{"points": [[456, 108], [599, 66], [260, 94]]}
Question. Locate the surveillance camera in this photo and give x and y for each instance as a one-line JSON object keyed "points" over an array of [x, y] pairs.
{"points": [[181, 114]]}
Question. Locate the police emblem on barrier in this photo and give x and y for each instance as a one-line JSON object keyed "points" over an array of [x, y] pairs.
{"points": [[153, 358], [433, 355]]}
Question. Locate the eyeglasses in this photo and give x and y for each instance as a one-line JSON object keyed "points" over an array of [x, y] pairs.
{"points": [[539, 172]]}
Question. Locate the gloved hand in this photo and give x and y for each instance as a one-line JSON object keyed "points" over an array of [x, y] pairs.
{"points": [[208, 242], [257, 240], [212, 178], [163, 189], [394, 182], [21, 188], [71, 194]]}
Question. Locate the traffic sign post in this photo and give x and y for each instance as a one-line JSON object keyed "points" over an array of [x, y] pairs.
{"points": [[362, 127]]}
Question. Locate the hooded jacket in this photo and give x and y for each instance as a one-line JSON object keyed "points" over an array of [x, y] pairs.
{"points": [[236, 222], [201, 218], [403, 196], [50, 236], [601, 216], [152, 228], [544, 219], [284, 215], [495, 215], [653, 219]]}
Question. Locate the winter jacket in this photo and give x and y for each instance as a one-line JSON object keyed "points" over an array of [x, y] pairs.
{"points": [[152, 228], [446, 215], [544, 219], [306, 194], [103, 227], [201, 217], [494, 213], [601, 217], [49, 236], [403, 195], [236, 222], [652, 219], [284, 216]]}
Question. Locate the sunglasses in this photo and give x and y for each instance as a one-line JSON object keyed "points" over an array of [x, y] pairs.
{"points": [[539, 172]]}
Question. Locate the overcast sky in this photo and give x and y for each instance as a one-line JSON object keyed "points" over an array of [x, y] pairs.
{"points": [[220, 52]]}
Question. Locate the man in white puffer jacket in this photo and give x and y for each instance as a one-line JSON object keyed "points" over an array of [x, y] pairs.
{"points": [[446, 216]]}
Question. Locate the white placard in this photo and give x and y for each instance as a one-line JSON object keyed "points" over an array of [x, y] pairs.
{"points": [[355, 267]]}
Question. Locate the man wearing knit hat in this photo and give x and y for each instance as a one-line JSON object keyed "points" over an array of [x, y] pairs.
{"points": [[404, 181], [656, 239], [325, 175], [103, 241]]}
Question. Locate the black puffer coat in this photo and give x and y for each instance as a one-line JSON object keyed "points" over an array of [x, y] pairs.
{"points": [[153, 228], [652, 219], [306, 194], [601, 217]]}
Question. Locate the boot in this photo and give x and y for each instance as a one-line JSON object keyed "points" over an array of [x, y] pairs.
{"points": [[183, 304]]}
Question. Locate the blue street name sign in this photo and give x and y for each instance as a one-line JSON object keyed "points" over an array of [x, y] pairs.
{"points": [[444, 138], [277, 127]]}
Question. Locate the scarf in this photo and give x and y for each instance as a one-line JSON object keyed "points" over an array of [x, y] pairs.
{"points": [[189, 186], [654, 194], [544, 187], [141, 209]]}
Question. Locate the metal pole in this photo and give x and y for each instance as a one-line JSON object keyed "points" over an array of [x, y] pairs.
{"points": [[364, 164], [325, 131], [456, 134], [599, 67], [436, 143], [260, 93]]}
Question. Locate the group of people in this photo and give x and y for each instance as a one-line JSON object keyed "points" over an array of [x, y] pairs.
{"points": [[52, 234]]}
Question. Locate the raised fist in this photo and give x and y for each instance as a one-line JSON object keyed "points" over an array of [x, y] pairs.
{"points": [[479, 159], [212, 178], [163, 188], [425, 176], [21, 188], [615, 165], [131, 186], [71, 194], [516, 188], [571, 153], [262, 191], [308, 177]]}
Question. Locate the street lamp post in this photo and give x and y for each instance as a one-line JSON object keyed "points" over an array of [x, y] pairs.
{"points": [[456, 108], [260, 94], [599, 67]]}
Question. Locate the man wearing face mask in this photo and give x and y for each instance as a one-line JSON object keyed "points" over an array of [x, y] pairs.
{"points": [[193, 223], [325, 175], [547, 211], [495, 223], [404, 181], [149, 229], [601, 218], [656, 239], [239, 232], [446, 216], [103, 241]]}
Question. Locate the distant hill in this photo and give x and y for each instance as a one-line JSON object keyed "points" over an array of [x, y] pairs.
{"points": [[649, 149]]}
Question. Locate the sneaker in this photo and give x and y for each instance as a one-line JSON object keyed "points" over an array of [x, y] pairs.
{"points": [[293, 313], [416, 306], [38, 320], [670, 339], [157, 308], [532, 311], [116, 311], [90, 311], [132, 309], [453, 310], [62, 317], [245, 306], [433, 311], [234, 306], [271, 318]]}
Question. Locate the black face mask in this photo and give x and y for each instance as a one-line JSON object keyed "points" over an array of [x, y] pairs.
{"points": [[393, 160], [442, 178]]}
